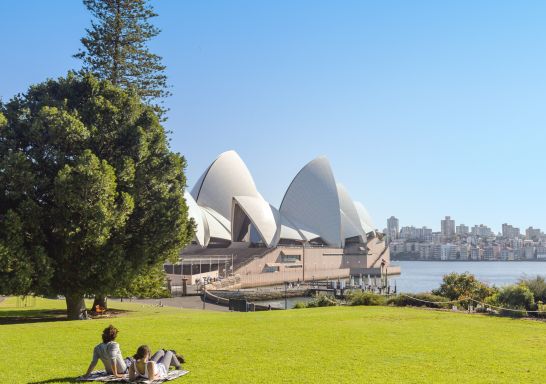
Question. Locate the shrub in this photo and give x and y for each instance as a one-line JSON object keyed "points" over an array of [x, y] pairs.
{"points": [[517, 297], [541, 307], [536, 285], [457, 286], [365, 298], [322, 301], [300, 305], [405, 301]]}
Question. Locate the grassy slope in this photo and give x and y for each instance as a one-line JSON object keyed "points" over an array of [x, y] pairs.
{"points": [[334, 345]]}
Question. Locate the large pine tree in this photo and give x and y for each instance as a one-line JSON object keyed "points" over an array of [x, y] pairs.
{"points": [[115, 49]]}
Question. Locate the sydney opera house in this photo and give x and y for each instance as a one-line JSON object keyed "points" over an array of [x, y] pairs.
{"points": [[317, 233]]}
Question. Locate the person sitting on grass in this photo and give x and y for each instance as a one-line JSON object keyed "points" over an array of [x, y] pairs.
{"points": [[109, 353], [156, 367]]}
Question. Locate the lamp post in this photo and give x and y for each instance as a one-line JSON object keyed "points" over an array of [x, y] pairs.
{"points": [[285, 293], [303, 261]]}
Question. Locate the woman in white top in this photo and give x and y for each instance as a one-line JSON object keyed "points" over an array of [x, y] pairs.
{"points": [[153, 368]]}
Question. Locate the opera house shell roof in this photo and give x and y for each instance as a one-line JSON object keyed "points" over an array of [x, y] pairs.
{"points": [[227, 208]]}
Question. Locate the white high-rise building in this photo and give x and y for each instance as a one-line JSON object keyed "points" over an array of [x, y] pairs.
{"points": [[448, 227], [393, 228], [462, 230]]}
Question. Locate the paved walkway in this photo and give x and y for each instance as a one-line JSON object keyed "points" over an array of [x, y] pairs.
{"points": [[188, 302]]}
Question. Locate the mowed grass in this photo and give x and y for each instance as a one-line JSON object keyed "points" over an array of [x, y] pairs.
{"points": [[323, 345]]}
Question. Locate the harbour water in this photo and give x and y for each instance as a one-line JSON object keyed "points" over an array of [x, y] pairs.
{"points": [[422, 276]]}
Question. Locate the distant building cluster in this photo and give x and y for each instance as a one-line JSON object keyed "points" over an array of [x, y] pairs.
{"points": [[461, 242]]}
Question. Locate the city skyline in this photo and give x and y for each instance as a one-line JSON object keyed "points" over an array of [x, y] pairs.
{"points": [[445, 100], [438, 228], [464, 243]]}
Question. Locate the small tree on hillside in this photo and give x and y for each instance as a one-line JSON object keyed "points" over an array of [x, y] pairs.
{"points": [[457, 286], [90, 194], [114, 48]]}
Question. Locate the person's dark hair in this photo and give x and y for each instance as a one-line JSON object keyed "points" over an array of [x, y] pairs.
{"points": [[141, 352], [109, 334]]}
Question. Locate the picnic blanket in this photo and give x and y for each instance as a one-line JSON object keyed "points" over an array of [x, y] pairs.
{"points": [[104, 377]]}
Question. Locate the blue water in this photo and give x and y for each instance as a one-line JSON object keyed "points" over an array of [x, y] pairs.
{"points": [[421, 276], [424, 276]]}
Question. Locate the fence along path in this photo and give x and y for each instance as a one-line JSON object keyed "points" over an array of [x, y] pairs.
{"points": [[473, 300]]}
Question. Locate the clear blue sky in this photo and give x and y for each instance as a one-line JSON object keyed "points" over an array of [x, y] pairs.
{"points": [[424, 108]]}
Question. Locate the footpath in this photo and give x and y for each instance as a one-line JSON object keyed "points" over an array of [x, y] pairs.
{"points": [[187, 302]]}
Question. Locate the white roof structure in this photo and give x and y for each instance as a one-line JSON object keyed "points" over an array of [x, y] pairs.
{"points": [[351, 224], [227, 207], [226, 177], [202, 230], [263, 216], [218, 226], [365, 218], [312, 203]]}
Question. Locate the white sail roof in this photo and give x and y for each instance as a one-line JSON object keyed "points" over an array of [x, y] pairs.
{"points": [[194, 211], [351, 225], [349, 229], [365, 219], [289, 230], [219, 227], [265, 217], [226, 205], [226, 177], [312, 202]]}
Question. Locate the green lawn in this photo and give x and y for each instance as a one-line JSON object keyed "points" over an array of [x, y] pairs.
{"points": [[324, 345]]}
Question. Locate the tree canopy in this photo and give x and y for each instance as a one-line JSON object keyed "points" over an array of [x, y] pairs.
{"points": [[114, 47], [460, 286], [90, 193]]}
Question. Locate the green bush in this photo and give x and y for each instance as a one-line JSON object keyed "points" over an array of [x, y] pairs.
{"points": [[300, 305], [536, 285], [541, 307], [322, 301], [365, 298], [517, 297], [457, 286], [405, 301]]}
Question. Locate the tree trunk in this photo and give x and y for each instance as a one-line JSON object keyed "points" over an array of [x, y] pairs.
{"points": [[75, 305], [100, 300]]}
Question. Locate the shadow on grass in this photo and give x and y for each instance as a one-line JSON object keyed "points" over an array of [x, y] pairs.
{"points": [[59, 380], [32, 316], [46, 315]]}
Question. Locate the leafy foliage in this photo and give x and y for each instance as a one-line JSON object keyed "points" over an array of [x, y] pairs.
{"points": [[322, 301], [537, 285], [516, 296], [428, 300], [24, 267], [115, 47], [365, 298], [457, 286], [90, 194], [148, 284]]}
